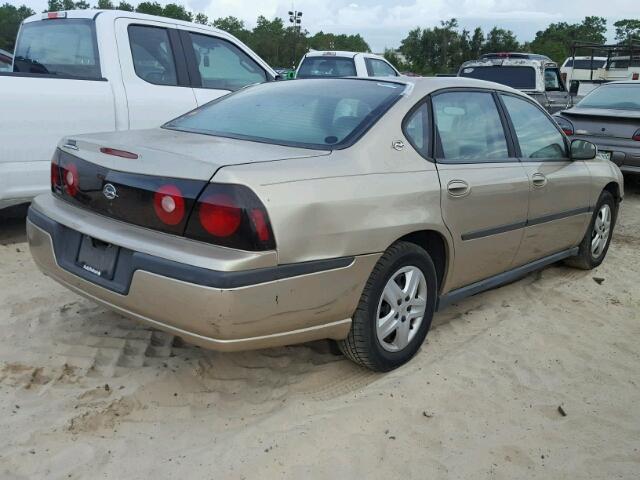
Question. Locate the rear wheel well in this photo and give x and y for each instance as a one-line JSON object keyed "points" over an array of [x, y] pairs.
{"points": [[435, 245], [614, 189]]}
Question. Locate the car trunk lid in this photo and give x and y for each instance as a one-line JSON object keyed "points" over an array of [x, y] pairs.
{"points": [[604, 122]]}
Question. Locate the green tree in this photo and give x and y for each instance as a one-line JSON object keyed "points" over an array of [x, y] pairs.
{"points": [[556, 40], [126, 7], [10, 20], [150, 8], [105, 5], [627, 28], [500, 40], [202, 19], [173, 10], [234, 26]]}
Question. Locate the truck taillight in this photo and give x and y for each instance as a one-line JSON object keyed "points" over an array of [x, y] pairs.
{"points": [[231, 216], [53, 15]]}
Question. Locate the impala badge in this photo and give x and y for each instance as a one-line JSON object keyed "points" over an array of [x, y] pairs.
{"points": [[398, 145], [109, 191]]}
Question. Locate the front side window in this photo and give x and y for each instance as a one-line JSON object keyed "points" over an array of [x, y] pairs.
{"points": [[537, 134], [224, 66], [522, 78], [416, 130], [378, 68], [64, 48], [620, 97], [469, 126], [327, 66], [323, 114], [152, 55]]}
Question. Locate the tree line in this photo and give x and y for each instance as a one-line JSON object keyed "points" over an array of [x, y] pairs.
{"points": [[439, 49]]}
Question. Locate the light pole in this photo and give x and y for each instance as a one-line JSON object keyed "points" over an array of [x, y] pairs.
{"points": [[295, 18]]}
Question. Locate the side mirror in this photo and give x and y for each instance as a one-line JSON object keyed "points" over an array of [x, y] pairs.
{"points": [[583, 150]]}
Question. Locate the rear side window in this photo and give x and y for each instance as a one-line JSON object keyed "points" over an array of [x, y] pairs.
{"points": [[552, 80], [326, 66], [523, 78], [223, 65], [65, 48], [416, 129], [537, 134], [379, 68], [469, 126], [152, 54], [584, 64]]}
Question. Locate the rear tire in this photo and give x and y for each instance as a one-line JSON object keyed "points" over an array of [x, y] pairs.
{"points": [[395, 309], [595, 244]]}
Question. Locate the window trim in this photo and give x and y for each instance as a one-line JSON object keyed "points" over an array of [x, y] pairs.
{"points": [[96, 52], [438, 148], [429, 119], [192, 66], [515, 136], [176, 49]]}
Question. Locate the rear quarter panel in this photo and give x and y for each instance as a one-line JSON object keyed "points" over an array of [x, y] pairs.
{"points": [[355, 201]]}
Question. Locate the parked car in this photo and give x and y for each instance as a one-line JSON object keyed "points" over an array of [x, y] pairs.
{"points": [[236, 226], [102, 71], [581, 68], [344, 64], [538, 78], [6, 59], [609, 117]]}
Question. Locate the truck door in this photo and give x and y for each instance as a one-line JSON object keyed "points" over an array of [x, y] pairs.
{"points": [[154, 72], [557, 96]]}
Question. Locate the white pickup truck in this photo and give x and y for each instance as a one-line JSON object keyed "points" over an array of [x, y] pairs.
{"points": [[103, 70]]}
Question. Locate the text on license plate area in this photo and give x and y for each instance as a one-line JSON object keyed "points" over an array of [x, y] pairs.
{"points": [[97, 257]]}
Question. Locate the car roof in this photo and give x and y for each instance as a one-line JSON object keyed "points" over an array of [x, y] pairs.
{"points": [[339, 53], [93, 13]]}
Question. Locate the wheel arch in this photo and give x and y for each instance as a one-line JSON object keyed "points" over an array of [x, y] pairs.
{"points": [[438, 248], [614, 189]]}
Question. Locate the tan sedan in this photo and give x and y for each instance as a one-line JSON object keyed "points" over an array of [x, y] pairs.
{"points": [[348, 209]]}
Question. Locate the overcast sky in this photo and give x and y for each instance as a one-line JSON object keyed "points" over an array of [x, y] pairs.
{"points": [[383, 23]]}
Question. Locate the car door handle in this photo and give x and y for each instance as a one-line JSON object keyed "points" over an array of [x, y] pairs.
{"points": [[539, 180], [458, 188]]}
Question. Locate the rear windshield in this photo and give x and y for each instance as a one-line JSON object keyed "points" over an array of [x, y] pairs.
{"points": [[319, 114], [621, 97], [58, 47], [325, 67], [523, 78], [585, 64]]}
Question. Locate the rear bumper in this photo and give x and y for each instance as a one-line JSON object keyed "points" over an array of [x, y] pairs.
{"points": [[223, 310]]}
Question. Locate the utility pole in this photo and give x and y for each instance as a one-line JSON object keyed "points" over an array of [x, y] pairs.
{"points": [[295, 18]]}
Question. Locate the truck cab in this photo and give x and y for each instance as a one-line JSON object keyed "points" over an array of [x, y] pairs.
{"points": [[103, 70], [535, 75]]}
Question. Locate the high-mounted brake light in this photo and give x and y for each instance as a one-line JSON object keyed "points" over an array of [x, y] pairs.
{"points": [[53, 15], [168, 203], [118, 153], [636, 136]]}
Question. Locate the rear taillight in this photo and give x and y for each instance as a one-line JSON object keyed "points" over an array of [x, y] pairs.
{"points": [[168, 203], [56, 183], [231, 216], [70, 178], [636, 136], [565, 125], [635, 76]]}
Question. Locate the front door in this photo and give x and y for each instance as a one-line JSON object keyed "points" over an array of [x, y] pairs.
{"points": [[484, 188], [559, 209]]}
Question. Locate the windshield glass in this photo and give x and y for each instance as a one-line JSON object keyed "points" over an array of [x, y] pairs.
{"points": [[321, 114], [523, 78], [58, 47], [621, 97], [327, 66]]}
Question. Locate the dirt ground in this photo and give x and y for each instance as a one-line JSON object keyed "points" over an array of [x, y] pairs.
{"points": [[87, 394]]}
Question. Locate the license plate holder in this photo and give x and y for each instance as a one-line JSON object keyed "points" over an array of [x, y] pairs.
{"points": [[97, 257]]}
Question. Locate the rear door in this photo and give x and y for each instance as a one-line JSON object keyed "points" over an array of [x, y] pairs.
{"points": [[559, 187], [154, 72], [218, 65], [484, 188]]}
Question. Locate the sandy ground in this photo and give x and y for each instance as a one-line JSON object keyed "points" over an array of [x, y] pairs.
{"points": [[87, 394]]}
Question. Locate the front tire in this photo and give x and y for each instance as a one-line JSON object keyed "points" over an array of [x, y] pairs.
{"points": [[395, 309], [595, 244]]}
